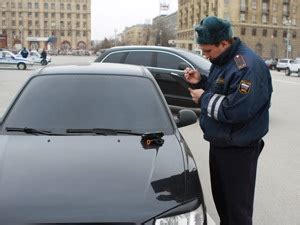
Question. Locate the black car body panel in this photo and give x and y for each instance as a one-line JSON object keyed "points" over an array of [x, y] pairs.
{"points": [[91, 178], [161, 62]]}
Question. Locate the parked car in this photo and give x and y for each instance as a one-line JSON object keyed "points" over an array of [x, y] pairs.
{"points": [[271, 63], [282, 64], [96, 144], [293, 67], [163, 63], [9, 59], [35, 56]]}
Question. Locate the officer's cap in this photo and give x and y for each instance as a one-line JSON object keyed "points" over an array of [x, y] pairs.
{"points": [[213, 30]]}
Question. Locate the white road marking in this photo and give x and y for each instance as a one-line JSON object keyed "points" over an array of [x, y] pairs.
{"points": [[288, 82], [210, 220]]}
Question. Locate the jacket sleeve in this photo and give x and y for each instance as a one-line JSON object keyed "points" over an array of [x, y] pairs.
{"points": [[249, 93]]}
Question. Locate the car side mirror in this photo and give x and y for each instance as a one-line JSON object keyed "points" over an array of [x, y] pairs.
{"points": [[185, 117], [183, 65]]}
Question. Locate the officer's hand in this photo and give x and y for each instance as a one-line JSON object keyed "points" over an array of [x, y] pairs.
{"points": [[192, 76], [196, 94]]}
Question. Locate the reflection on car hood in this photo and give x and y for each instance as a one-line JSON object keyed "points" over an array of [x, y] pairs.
{"points": [[88, 178]]}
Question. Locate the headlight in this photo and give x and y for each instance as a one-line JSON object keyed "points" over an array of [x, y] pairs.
{"points": [[195, 217]]}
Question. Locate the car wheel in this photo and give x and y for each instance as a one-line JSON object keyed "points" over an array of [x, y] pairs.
{"points": [[278, 70], [287, 72], [44, 62], [298, 72], [21, 66]]}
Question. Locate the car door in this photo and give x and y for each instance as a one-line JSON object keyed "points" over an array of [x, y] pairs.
{"points": [[167, 65]]}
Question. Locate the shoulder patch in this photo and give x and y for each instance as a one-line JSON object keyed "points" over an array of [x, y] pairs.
{"points": [[240, 62], [244, 87]]}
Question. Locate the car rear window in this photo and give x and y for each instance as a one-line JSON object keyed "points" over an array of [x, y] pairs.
{"points": [[59, 102]]}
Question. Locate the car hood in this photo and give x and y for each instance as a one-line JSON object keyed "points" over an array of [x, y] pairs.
{"points": [[88, 178]]}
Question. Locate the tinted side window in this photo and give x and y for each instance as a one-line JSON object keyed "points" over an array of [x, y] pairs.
{"points": [[165, 60], [139, 58], [115, 57]]}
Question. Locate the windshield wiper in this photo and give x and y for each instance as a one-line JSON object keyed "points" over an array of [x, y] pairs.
{"points": [[102, 131], [28, 130]]}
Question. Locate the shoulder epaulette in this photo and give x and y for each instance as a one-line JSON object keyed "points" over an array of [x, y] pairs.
{"points": [[240, 62]]}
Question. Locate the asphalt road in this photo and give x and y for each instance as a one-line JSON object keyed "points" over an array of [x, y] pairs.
{"points": [[277, 199]]}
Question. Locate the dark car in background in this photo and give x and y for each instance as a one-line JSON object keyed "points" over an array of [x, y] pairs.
{"points": [[164, 63], [96, 144]]}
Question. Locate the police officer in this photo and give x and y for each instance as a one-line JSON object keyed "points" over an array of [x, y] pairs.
{"points": [[234, 101], [24, 53]]}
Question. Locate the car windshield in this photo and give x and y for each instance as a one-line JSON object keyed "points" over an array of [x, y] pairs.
{"points": [[60, 102]]}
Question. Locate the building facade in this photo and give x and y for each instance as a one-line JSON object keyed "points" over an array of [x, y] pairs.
{"points": [[270, 27], [139, 34], [164, 29], [50, 24]]}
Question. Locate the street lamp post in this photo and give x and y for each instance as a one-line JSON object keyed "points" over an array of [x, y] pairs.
{"points": [[288, 47], [21, 34]]}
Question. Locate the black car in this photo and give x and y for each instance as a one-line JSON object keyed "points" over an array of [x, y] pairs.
{"points": [[96, 144], [164, 63]]}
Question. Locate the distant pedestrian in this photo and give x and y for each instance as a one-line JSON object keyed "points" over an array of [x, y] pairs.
{"points": [[44, 57], [24, 53]]}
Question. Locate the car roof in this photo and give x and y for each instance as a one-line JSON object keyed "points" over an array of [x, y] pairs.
{"points": [[95, 68], [146, 47]]}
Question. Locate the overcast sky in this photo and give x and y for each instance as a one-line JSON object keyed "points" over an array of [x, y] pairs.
{"points": [[111, 15]]}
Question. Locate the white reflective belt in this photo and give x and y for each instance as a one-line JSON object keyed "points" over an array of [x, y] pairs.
{"points": [[218, 104], [210, 104]]}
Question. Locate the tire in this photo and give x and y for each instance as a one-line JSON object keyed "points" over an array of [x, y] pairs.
{"points": [[287, 72], [298, 72], [278, 70], [44, 62], [21, 66]]}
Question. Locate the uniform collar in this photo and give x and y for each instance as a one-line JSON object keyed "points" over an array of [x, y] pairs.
{"points": [[228, 54]]}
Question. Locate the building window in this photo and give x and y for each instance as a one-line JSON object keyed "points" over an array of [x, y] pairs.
{"points": [[13, 23], [69, 15], [84, 34], [69, 7], [253, 32], [274, 33], [46, 6], [29, 5], [36, 5], [62, 33], [62, 6], [294, 22], [265, 32], [242, 17], [62, 15], [294, 10], [52, 5], [274, 20], [69, 33], [78, 16], [78, 33], [264, 18], [77, 24], [13, 5], [53, 15], [253, 18], [36, 15], [294, 34], [284, 34], [20, 5], [243, 31], [77, 7], [275, 7], [253, 4], [84, 7]]}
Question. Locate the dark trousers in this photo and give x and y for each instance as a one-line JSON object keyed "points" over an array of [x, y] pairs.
{"points": [[233, 174]]}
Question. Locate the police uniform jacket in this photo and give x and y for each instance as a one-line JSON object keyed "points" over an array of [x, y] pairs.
{"points": [[236, 101]]}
